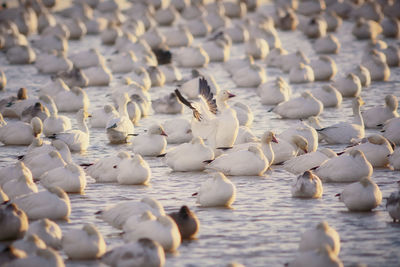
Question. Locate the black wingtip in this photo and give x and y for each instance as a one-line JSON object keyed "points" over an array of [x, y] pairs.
{"points": [[20, 157], [98, 212], [161, 155], [208, 161]]}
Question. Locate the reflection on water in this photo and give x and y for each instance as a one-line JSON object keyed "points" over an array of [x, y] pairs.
{"points": [[265, 224]]}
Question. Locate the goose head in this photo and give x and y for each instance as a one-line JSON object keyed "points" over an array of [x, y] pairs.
{"points": [[157, 129], [59, 193], [300, 142], [224, 95], [37, 126], [22, 94], [269, 137], [391, 102], [90, 229], [365, 182], [324, 226], [357, 103]]}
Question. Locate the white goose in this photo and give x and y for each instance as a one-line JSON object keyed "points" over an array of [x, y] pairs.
{"points": [[324, 68], [250, 162], [275, 56], [364, 195], [44, 162], [376, 149], [346, 168], [348, 86], [48, 231], [76, 140], [213, 120], [178, 131], [216, 191], [192, 57], [14, 172], [378, 115], [363, 74], [142, 252], [322, 256], [30, 244], [104, 170], [328, 95], [71, 178], [171, 72], [307, 185], [72, 100], [43, 257], [345, 132], [249, 76], [14, 222], [134, 170], [153, 143], [190, 88], [18, 132], [328, 44], [52, 204], [118, 214], [19, 186], [189, 156], [320, 236], [55, 124], [301, 73], [393, 205], [274, 92], [285, 150], [308, 161], [245, 135], [84, 244], [86, 59], [243, 113], [257, 48], [391, 130], [293, 59], [376, 63], [101, 116], [305, 130], [161, 229], [302, 107], [119, 129]]}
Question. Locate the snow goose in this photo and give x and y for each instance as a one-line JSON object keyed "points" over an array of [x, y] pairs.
{"points": [[98, 75], [390, 27], [50, 42], [191, 57], [274, 92], [350, 167], [189, 156], [376, 116], [328, 44], [324, 68], [234, 65], [14, 222], [391, 130], [307, 185], [190, 88], [53, 62], [216, 191], [302, 107], [154, 37], [44, 162], [118, 129], [104, 170], [238, 33], [322, 256], [376, 149], [134, 170], [310, 8], [55, 124], [213, 119], [52, 88], [315, 28], [320, 236], [153, 143], [369, 10], [20, 54], [123, 62], [394, 159], [72, 78], [217, 50], [86, 59], [293, 59], [187, 222], [84, 244], [157, 77], [286, 19], [257, 48], [348, 86], [243, 113], [178, 37], [366, 29], [275, 56], [77, 140], [251, 76], [71, 178], [308, 161], [19, 186], [168, 104], [52, 204], [250, 162], [48, 231], [333, 21], [36, 110], [59, 29], [43, 257], [328, 95], [110, 34], [144, 252], [363, 195], [375, 62], [101, 116], [166, 16], [285, 150], [393, 205], [72, 100], [363, 74], [178, 131], [14, 172], [161, 229], [216, 18], [392, 54], [18, 132], [301, 73], [119, 214], [172, 73], [345, 132], [30, 244], [141, 76], [305, 130]]}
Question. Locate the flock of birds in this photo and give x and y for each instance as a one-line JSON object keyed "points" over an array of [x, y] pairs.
{"points": [[152, 49]]}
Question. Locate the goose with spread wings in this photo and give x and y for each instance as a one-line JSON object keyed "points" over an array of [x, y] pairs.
{"points": [[213, 119]]}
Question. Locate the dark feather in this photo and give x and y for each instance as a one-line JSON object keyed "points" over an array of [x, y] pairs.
{"points": [[163, 56], [184, 101], [205, 92]]}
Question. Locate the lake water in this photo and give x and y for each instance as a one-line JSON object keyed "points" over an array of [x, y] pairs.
{"points": [[264, 225]]}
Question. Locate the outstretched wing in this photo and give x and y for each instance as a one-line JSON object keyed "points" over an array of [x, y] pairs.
{"points": [[184, 101], [207, 95]]}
